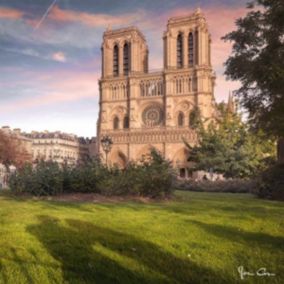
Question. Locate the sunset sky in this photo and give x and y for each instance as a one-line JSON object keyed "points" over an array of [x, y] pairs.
{"points": [[50, 54]]}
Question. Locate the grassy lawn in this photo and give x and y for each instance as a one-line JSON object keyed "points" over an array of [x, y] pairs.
{"points": [[197, 238]]}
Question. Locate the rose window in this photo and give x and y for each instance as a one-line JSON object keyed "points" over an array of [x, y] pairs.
{"points": [[152, 115]]}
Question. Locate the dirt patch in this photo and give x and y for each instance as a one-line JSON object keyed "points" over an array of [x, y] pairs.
{"points": [[87, 197], [96, 198]]}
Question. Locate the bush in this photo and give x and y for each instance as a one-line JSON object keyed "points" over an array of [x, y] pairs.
{"points": [[271, 183], [230, 185], [155, 176], [45, 179], [119, 182], [152, 177], [83, 178]]}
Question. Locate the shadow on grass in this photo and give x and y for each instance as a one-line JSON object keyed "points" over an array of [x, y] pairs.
{"points": [[250, 239], [127, 259]]}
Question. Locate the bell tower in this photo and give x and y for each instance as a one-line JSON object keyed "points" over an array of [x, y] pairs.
{"points": [[124, 51], [187, 42], [187, 64]]}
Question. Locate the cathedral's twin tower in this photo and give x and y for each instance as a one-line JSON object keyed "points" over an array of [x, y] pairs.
{"points": [[140, 109]]}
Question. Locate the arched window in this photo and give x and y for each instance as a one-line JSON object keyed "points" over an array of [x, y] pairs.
{"points": [[115, 60], [181, 119], [196, 47], [126, 122], [190, 49], [116, 123], [125, 59], [179, 51], [179, 85]]}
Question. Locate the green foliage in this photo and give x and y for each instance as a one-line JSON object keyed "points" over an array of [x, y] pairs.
{"points": [[83, 178], [229, 185], [45, 179], [257, 61], [271, 183], [121, 182], [229, 148], [152, 177], [195, 118], [155, 176]]}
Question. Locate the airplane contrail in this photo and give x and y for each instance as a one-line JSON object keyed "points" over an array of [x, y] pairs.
{"points": [[45, 15]]}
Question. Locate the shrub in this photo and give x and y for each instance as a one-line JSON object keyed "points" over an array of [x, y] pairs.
{"points": [[230, 185], [151, 177], [83, 178], [45, 179], [22, 181], [270, 184], [119, 182], [155, 177]]}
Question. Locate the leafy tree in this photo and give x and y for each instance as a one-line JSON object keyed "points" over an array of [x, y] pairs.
{"points": [[229, 148], [12, 151], [195, 118], [257, 60]]}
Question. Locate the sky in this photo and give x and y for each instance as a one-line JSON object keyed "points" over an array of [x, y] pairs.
{"points": [[50, 57]]}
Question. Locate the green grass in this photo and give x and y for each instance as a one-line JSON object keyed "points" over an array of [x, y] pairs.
{"points": [[196, 238]]}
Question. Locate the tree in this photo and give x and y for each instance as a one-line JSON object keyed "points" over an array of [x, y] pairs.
{"points": [[257, 60], [229, 148], [12, 151]]}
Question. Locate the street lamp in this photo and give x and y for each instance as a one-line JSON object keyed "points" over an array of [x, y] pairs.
{"points": [[106, 144]]}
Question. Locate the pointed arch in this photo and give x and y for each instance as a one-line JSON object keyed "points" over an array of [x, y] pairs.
{"points": [[180, 161], [118, 159], [126, 122], [180, 119], [126, 59], [115, 60], [179, 51], [190, 49], [116, 123], [145, 152], [196, 46]]}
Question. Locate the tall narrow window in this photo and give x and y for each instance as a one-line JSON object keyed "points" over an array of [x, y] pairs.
{"points": [[196, 47], [181, 119], [125, 59], [190, 49], [126, 122], [116, 123], [115, 60], [179, 51]]}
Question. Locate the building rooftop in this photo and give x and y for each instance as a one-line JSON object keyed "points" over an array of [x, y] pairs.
{"points": [[131, 29], [192, 17]]}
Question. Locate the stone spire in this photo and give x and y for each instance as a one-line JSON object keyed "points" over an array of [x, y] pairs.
{"points": [[231, 104], [198, 11], [108, 28]]}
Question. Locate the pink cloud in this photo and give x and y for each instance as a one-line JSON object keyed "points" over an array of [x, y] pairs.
{"points": [[59, 56], [8, 13], [93, 20], [62, 87]]}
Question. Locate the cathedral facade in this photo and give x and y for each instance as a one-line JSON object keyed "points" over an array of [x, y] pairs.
{"points": [[140, 109]]}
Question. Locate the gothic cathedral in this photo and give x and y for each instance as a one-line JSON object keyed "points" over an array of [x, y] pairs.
{"points": [[140, 109]]}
